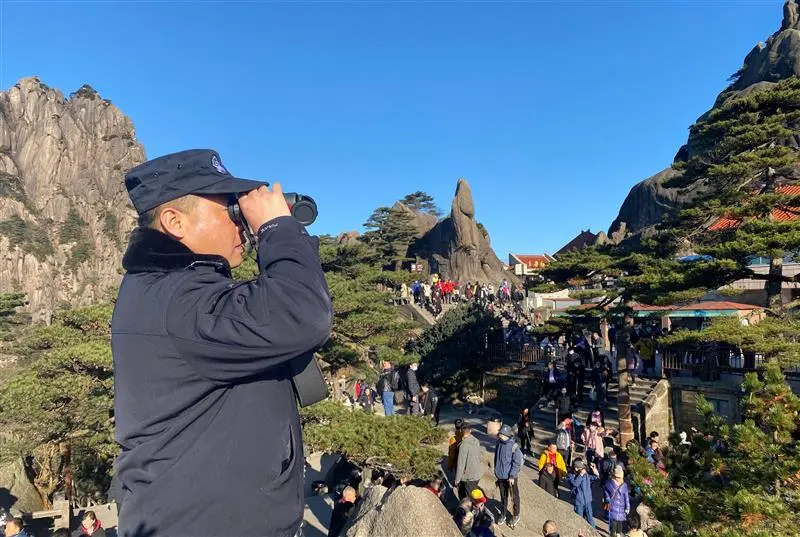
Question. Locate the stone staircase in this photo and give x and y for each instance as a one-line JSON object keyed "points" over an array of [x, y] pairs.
{"points": [[544, 418]]}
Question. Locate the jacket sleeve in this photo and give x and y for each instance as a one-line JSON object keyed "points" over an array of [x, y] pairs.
{"points": [[542, 461], [228, 331], [627, 498], [461, 463], [516, 463]]}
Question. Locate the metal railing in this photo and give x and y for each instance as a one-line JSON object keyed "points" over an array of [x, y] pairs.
{"points": [[499, 351], [709, 360]]}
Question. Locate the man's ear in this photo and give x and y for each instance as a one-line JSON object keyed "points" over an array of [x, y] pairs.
{"points": [[173, 222]]}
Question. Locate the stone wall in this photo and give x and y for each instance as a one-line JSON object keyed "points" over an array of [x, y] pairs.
{"points": [[511, 391], [724, 395], [655, 412]]}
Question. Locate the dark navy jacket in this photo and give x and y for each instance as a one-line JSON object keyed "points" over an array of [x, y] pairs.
{"points": [[205, 411]]}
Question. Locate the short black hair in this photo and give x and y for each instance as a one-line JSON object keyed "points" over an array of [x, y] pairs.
{"points": [[62, 532], [634, 521], [466, 427], [653, 434]]}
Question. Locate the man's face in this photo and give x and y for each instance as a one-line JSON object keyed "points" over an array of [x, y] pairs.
{"points": [[207, 229], [11, 529], [551, 448]]}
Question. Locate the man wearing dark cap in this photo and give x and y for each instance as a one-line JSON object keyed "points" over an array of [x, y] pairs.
{"points": [[205, 411]]}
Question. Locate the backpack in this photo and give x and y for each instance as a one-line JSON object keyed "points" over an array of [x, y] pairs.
{"points": [[562, 439], [395, 380]]}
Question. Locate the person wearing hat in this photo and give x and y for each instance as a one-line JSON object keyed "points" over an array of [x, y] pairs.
{"points": [[507, 465], [581, 482], [616, 501], [205, 410], [481, 516]]}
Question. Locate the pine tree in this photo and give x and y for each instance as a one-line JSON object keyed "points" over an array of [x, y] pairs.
{"points": [[9, 311], [391, 231], [61, 401], [733, 481], [421, 202]]}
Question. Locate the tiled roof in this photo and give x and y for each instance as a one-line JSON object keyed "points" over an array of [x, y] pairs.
{"points": [[724, 223], [778, 214], [718, 305], [533, 261], [788, 190], [785, 214], [584, 239], [648, 307]]}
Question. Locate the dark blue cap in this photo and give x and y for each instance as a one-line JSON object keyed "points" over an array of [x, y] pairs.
{"points": [[196, 171]]}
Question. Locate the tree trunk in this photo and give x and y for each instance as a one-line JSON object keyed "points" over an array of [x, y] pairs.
{"points": [[67, 453], [774, 285], [624, 399]]}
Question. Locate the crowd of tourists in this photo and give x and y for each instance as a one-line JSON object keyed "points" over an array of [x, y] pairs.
{"points": [[434, 293], [577, 455], [90, 526]]}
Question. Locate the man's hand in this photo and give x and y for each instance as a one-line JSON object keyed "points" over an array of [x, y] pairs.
{"points": [[511, 481], [261, 205]]}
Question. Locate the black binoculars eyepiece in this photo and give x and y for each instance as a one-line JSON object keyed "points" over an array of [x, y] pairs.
{"points": [[303, 209]]}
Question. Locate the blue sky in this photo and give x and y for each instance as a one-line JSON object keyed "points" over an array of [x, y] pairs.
{"points": [[551, 110]]}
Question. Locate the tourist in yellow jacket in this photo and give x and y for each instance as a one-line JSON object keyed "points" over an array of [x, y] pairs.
{"points": [[553, 456]]}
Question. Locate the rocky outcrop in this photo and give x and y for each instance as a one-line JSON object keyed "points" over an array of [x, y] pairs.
{"points": [[348, 238], [456, 248], [647, 203], [777, 59], [64, 211], [402, 512], [421, 221], [17, 493]]}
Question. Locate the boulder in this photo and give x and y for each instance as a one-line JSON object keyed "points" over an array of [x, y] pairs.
{"points": [[537, 507], [348, 238], [402, 512], [647, 203], [17, 493], [456, 247]]}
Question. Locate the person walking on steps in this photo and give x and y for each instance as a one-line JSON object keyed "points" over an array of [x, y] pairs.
{"points": [[469, 468], [616, 501], [563, 406], [507, 465], [525, 431], [581, 481], [413, 388], [552, 456]]}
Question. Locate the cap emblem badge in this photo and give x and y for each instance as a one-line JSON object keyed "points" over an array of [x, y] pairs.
{"points": [[218, 165]]}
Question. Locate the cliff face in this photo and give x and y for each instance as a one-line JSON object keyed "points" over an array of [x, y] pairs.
{"points": [[768, 63], [456, 248], [64, 211]]}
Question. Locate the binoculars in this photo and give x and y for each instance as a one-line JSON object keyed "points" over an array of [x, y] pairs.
{"points": [[303, 209]]}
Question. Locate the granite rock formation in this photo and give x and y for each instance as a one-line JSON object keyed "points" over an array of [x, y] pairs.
{"points": [[17, 493], [64, 211], [456, 248], [421, 221], [768, 63], [402, 512]]}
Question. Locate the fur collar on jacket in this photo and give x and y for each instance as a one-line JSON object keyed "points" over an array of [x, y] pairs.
{"points": [[150, 250]]}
